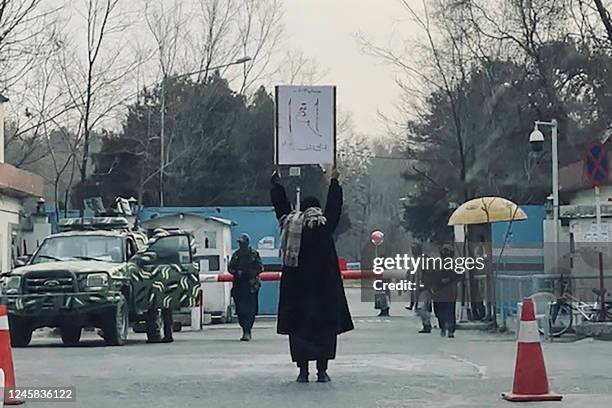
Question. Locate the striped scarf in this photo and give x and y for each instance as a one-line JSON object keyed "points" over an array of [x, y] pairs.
{"points": [[291, 232]]}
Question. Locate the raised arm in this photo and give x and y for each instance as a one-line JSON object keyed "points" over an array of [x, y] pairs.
{"points": [[278, 196], [333, 206]]}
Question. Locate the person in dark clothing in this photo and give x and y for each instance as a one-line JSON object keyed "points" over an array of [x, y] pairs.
{"points": [[425, 280], [152, 324], [245, 265], [312, 308], [416, 250], [445, 296]]}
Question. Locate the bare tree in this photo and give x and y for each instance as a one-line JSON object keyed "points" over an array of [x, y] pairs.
{"points": [[226, 30], [22, 27], [604, 15], [96, 84], [215, 34], [442, 66], [296, 68], [167, 26], [259, 32], [27, 40]]}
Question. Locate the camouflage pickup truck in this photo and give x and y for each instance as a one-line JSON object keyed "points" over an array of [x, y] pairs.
{"points": [[97, 276]]}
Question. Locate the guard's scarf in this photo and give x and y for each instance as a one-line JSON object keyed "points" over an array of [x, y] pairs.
{"points": [[291, 232]]}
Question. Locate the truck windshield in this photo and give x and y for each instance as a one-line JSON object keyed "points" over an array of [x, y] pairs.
{"points": [[91, 247]]}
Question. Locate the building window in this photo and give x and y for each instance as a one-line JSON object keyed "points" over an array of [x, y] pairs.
{"points": [[209, 263], [210, 239]]}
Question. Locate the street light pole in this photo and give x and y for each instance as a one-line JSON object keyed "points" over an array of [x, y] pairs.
{"points": [[162, 160], [555, 180]]}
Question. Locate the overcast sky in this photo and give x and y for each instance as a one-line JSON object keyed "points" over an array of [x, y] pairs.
{"points": [[325, 30]]}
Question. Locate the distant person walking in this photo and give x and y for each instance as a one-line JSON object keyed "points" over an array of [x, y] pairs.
{"points": [[425, 282], [445, 296], [312, 307], [245, 266], [412, 276], [382, 301]]}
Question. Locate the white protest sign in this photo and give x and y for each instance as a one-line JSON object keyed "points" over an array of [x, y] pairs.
{"points": [[305, 125]]}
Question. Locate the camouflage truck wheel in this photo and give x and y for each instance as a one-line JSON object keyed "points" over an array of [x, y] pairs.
{"points": [[115, 324], [71, 335], [21, 331]]}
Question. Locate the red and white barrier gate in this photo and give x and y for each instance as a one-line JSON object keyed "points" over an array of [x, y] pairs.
{"points": [[275, 276]]}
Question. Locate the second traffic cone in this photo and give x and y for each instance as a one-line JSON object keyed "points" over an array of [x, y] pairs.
{"points": [[530, 379], [6, 358]]}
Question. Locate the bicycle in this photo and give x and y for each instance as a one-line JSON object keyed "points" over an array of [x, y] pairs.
{"points": [[567, 307]]}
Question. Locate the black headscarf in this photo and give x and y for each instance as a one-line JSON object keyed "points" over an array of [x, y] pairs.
{"points": [[309, 202]]}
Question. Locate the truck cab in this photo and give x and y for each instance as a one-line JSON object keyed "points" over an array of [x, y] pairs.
{"points": [[98, 273]]}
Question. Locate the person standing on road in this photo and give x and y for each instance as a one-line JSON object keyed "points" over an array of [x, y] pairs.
{"points": [[153, 315], [445, 296], [382, 301], [312, 308], [416, 251], [425, 281], [245, 265]]}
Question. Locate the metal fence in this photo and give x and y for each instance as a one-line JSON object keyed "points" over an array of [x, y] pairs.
{"points": [[512, 289]]}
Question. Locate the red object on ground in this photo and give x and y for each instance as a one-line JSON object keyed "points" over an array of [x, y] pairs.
{"points": [[530, 379], [6, 358], [343, 264]]}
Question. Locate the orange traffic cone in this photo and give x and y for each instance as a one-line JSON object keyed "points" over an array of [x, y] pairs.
{"points": [[6, 358], [1, 382], [530, 379]]}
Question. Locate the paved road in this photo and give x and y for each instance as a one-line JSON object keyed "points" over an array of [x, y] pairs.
{"points": [[383, 363]]}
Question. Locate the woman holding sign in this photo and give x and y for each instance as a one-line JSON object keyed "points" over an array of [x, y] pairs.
{"points": [[312, 306]]}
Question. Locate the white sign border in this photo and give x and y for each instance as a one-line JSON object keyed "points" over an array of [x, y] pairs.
{"points": [[276, 113]]}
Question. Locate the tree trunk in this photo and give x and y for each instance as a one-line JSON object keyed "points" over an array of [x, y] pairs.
{"points": [[605, 18]]}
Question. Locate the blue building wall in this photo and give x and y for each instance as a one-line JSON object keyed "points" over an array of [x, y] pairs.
{"points": [[529, 231], [522, 258], [520, 243]]}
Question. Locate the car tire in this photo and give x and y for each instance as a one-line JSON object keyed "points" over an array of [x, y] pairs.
{"points": [[71, 335], [140, 327], [116, 324], [21, 331]]}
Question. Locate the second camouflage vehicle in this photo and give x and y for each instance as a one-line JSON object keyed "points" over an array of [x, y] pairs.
{"points": [[99, 273]]}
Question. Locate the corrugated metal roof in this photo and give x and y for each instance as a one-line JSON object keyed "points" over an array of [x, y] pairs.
{"points": [[220, 220]]}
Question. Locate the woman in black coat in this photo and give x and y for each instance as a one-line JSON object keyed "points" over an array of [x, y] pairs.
{"points": [[312, 306]]}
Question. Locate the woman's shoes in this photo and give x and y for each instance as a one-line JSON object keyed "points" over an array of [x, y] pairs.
{"points": [[322, 377], [384, 312]]}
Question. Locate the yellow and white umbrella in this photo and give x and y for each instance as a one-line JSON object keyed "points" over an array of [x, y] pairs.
{"points": [[484, 210]]}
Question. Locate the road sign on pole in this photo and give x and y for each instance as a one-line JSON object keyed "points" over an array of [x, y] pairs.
{"points": [[596, 165], [596, 168]]}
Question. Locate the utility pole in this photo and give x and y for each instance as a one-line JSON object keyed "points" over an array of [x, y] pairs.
{"points": [[162, 158]]}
